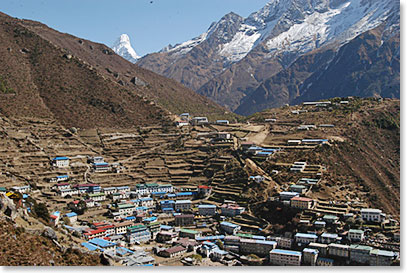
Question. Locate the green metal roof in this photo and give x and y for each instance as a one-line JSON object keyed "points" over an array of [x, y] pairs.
{"points": [[190, 231]]}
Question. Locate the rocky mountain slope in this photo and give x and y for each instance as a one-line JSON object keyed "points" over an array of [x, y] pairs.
{"points": [[45, 73], [236, 60]]}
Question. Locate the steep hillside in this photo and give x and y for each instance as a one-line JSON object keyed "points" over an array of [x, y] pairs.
{"points": [[246, 70], [83, 84]]}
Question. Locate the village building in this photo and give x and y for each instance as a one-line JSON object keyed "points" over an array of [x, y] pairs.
{"points": [[125, 209], [147, 202], [184, 195], [167, 204], [102, 167], [310, 256], [199, 120], [165, 237], [185, 116], [231, 210], [325, 261], [119, 196], [92, 234], [59, 178], [222, 121], [338, 250], [294, 142], [282, 242], [189, 233], [257, 178], [21, 189], [305, 238], [301, 202], [183, 205], [121, 228], [182, 123], [189, 244], [60, 162], [360, 254], [97, 197], [229, 228], [207, 210], [381, 257], [258, 247], [287, 195], [327, 238], [330, 219], [322, 248], [319, 224], [62, 186], [54, 218], [72, 216], [138, 233], [68, 192], [204, 190], [298, 188], [372, 215], [173, 251], [285, 257], [103, 244], [219, 254], [184, 220], [355, 235]]}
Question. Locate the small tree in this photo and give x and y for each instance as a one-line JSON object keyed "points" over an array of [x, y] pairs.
{"points": [[219, 244], [41, 211]]}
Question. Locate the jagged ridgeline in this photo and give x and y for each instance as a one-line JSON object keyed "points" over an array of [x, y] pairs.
{"points": [[290, 51]]}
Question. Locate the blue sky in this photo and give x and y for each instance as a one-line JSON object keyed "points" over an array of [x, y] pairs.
{"points": [[151, 26]]}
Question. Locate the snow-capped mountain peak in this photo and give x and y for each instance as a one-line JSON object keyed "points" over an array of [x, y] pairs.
{"points": [[123, 47]]}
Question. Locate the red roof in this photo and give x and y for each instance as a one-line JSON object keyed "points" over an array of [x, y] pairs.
{"points": [[96, 231], [204, 187], [54, 216]]}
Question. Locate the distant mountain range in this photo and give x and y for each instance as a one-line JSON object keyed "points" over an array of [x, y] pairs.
{"points": [[45, 73], [288, 52]]}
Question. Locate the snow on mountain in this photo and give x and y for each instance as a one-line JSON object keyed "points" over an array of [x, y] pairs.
{"points": [[295, 26], [123, 48]]}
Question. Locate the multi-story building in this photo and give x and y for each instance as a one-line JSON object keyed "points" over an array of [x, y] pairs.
{"points": [[285, 257], [207, 210], [301, 202], [372, 215], [338, 250], [183, 205], [138, 233], [305, 238], [257, 247], [109, 190], [126, 209], [60, 162], [360, 253], [184, 220], [322, 248], [325, 262], [97, 197], [167, 204], [189, 233], [381, 257], [327, 238], [310, 256], [121, 228], [231, 210], [356, 235], [282, 242], [229, 228], [70, 192]]}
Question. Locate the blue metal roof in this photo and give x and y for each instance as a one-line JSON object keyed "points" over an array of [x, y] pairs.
{"points": [[229, 224], [60, 158], [310, 250], [329, 235], [130, 218], [101, 242], [167, 202], [71, 214], [91, 247], [183, 194], [258, 237], [165, 227], [287, 252], [63, 176], [168, 209]]}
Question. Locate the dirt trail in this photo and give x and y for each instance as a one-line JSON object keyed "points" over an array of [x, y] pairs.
{"points": [[258, 138]]}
